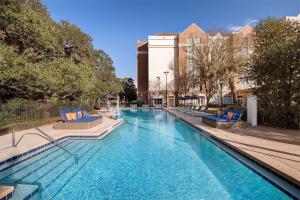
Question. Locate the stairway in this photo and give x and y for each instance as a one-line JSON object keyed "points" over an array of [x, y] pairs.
{"points": [[45, 175]]}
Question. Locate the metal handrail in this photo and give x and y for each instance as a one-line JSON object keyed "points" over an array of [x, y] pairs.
{"points": [[41, 134]]}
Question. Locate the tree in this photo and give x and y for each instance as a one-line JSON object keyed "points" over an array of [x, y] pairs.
{"points": [[182, 79], [238, 55], [208, 63], [129, 90], [17, 76], [274, 70], [77, 45], [41, 59], [27, 26]]}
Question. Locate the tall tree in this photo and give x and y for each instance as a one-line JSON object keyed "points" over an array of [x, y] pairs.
{"points": [[26, 25], [238, 54], [77, 45], [41, 59], [274, 70], [129, 90], [208, 62]]}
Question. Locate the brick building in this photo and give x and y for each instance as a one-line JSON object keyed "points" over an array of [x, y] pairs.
{"points": [[163, 58]]}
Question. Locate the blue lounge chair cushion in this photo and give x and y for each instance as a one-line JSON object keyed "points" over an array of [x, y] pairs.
{"points": [[224, 115], [236, 116], [85, 115], [218, 119], [86, 119], [63, 113], [77, 110]]}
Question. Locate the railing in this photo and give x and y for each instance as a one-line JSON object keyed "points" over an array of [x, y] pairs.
{"points": [[36, 111], [42, 134]]}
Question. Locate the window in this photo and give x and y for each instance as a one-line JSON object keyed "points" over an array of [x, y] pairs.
{"points": [[227, 100], [240, 100], [193, 41], [157, 101]]}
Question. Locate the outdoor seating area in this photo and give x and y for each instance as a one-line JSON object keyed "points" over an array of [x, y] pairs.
{"points": [[195, 111], [223, 119], [149, 100], [77, 119]]}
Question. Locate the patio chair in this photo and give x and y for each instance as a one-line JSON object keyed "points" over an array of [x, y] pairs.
{"points": [[186, 108], [197, 109], [77, 119], [180, 107], [201, 112], [193, 109], [223, 119]]}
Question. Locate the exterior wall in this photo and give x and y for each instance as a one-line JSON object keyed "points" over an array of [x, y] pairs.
{"points": [[162, 52], [193, 31], [167, 52], [292, 18], [142, 71]]}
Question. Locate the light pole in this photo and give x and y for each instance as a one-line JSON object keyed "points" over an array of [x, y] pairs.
{"points": [[166, 73], [221, 98], [158, 78]]}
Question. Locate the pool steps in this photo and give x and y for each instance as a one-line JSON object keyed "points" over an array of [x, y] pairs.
{"points": [[23, 191], [28, 154], [49, 173], [40, 159]]}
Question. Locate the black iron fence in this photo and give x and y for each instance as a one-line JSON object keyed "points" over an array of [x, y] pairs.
{"points": [[36, 111]]}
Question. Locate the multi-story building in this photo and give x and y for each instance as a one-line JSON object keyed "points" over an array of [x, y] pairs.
{"points": [[164, 57], [292, 18]]}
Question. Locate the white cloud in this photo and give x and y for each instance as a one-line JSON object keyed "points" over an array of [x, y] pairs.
{"points": [[248, 21], [234, 28], [251, 21]]}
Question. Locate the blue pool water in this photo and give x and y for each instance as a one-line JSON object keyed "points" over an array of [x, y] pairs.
{"points": [[151, 156]]}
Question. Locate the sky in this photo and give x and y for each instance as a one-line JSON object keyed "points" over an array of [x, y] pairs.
{"points": [[116, 25]]}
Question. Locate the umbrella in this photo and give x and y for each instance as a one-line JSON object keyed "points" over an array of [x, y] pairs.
{"points": [[194, 97], [187, 97]]}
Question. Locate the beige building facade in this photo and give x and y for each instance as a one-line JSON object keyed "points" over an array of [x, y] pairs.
{"points": [[164, 58]]}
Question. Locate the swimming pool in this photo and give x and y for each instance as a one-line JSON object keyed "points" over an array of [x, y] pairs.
{"points": [[152, 155]]}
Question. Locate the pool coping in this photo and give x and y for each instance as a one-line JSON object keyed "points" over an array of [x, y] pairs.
{"points": [[7, 192], [7, 163], [240, 156]]}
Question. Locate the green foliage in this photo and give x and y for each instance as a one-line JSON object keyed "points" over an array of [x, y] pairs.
{"points": [[20, 110], [274, 70], [28, 27], [41, 59], [17, 76], [77, 44], [129, 90]]}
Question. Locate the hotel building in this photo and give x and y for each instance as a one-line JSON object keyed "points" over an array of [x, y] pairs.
{"points": [[165, 53]]}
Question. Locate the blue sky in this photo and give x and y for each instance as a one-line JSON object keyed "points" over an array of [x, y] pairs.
{"points": [[116, 25]]}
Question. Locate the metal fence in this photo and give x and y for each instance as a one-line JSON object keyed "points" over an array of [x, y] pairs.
{"points": [[36, 111]]}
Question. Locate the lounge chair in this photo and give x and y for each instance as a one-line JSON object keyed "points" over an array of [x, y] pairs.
{"points": [[183, 107], [192, 108], [197, 108], [224, 119], [179, 107], [200, 112], [187, 108], [77, 119]]}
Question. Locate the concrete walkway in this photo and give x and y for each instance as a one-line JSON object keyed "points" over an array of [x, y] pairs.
{"points": [[32, 141], [277, 149]]}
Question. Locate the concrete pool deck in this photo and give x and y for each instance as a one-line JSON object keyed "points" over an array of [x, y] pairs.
{"points": [[32, 141], [276, 149]]}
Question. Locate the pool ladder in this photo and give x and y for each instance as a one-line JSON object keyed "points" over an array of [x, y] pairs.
{"points": [[42, 134]]}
